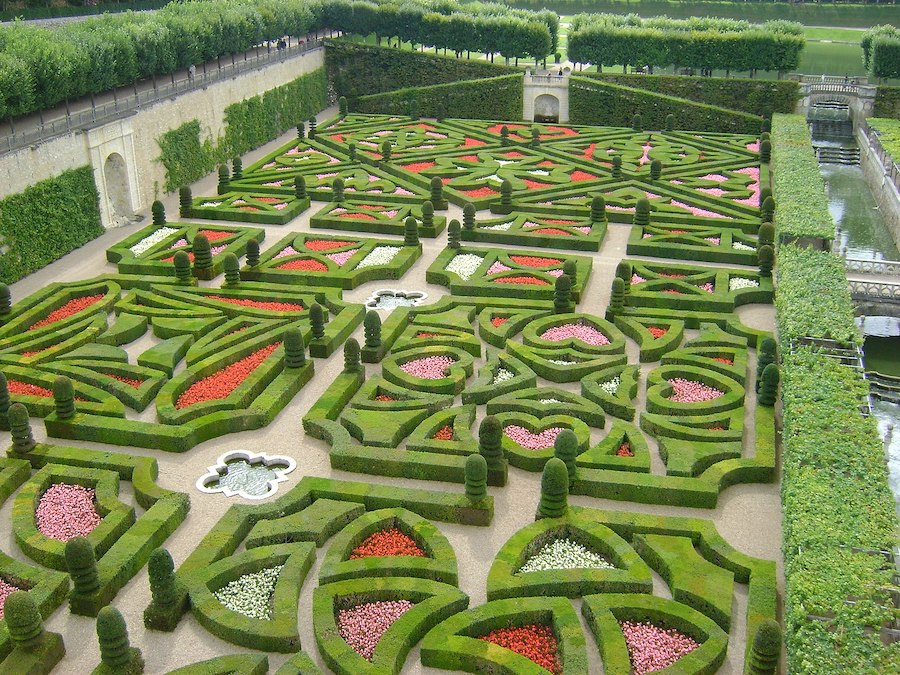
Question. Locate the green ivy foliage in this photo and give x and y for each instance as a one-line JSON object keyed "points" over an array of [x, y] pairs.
{"points": [[592, 101], [360, 70], [757, 97], [498, 98], [46, 221], [887, 102], [185, 156], [889, 135]]}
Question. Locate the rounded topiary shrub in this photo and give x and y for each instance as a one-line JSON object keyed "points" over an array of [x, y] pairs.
{"points": [[181, 261], [476, 472], [490, 440], [766, 649], [232, 269], [351, 356], [317, 320], [23, 620], [294, 349], [642, 212], [554, 490], [20, 428], [185, 202], [64, 397], [410, 232], [598, 208], [453, 233], [82, 566], [158, 210], [116, 652], [562, 294], [566, 448], [372, 329], [469, 216], [768, 389], [202, 253]]}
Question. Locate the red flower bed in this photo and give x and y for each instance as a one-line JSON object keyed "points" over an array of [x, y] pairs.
{"points": [[73, 306], [589, 151], [337, 137], [326, 244], [445, 433], [27, 389], [127, 380], [66, 511], [672, 291], [357, 216], [546, 162], [721, 359], [305, 265], [498, 321], [535, 185], [385, 398], [215, 235], [534, 641], [552, 230], [532, 261], [533, 281], [470, 158], [416, 167], [387, 542], [625, 450], [717, 428], [673, 275], [426, 334], [557, 221], [578, 176], [473, 143], [497, 128], [269, 200], [657, 332], [259, 304], [480, 192], [513, 154], [37, 351], [221, 384]]}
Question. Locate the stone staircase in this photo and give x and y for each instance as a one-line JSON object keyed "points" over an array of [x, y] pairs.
{"points": [[829, 154]]}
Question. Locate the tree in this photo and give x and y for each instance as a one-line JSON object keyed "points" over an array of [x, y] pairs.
{"points": [[20, 428], [351, 356], [317, 321], [294, 349], [453, 231], [300, 188], [617, 299], [767, 354], [232, 270], [598, 209], [565, 447], [490, 441], [223, 179], [642, 212], [469, 216], [159, 213], [768, 389], [116, 653], [766, 257], [554, 490], [766, 649], [476, 472], [410, 232], [185, 202], [337, 190], [372, 329], [562, 294], [64, 397]]}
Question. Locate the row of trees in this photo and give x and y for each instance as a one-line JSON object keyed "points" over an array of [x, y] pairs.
{"points": [[699, 42], [881, 51], [40, 68]]}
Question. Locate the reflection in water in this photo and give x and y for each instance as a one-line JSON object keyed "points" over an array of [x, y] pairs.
{"points": [[889, 413]]}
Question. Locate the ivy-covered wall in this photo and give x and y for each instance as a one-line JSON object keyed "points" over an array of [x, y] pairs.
{"points": [[887, 102], [757, 97], [248, 124], [359, 70], [497, 98], [46, 221], [595, 102]]}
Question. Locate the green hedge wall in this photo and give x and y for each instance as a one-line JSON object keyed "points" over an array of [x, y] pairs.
{"points": [[757, 97], [889, 135], [887, 102], [248, 124], [498, 98], [46, 221], [798, 186], [601, 103], [359, 70]]}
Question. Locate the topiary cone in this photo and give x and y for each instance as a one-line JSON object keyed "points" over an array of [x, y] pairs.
{"points": [[768, 390], [181, 261], [158, 210], [765, 151], [294, 349], [64, 397], [766, 649], [185, 202], [82, 566], [224, 177], [20, 428], [232, 270], [300, 188], [535, 137], [623, 271], [562, 294], [312, 127], [252, 253], [237, 168], [453, 232], [4, 402], [566, 448], [23, 620], [372, 329], [617, 166], [337, 190], [437, 193], [570, 268], [642, 212], [656, 168], [766, 354], [301, 131], [476, 477], [554, 490], [766, 258], [598, 208], [490, 441], [203, 261], [161, 570], [767, 210], [506, 194], [766, 234], [317, 321], [116, 653], [351, 356], [469, 216], [616, 300], [410, 232], [427, 213]]}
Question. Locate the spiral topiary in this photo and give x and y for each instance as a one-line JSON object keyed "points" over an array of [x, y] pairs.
{"points": [[570, 268], [20, 428], [766, 353], [299, 188], [504, 135], [766, 234], [351, 356], [624, 272], [616, 300], [490, 441], [469, 216], [202, 253], [598, 208], [294, 349], [386, 151], [562, 294], [23, 620], [4, 401], [116, 653], [232, 270], [372, 329], [453, 231], [637, 122], [617, 166], [185, 202], [82, 566], [342, 106], [642, 212], [766, 125], [351, 151], [766, 258], [767, 210], [768, 389], [656, 168], [224, 177], [237, 168], [554, 490], [566, 448], [506, 194], [765, 151], [437, 193], [476, 477], [535, 137], [64, 397], [670, 122], [301, 131], [163, 586], [765, 136], [312, 127], [317, 321], [410, 232], [159, 213], [337, 190], [181, 261], [427, 214], [766, 649], [252, 253]]}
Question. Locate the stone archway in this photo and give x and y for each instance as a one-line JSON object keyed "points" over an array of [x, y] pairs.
{"points": [[115, 179], [546, 108]]}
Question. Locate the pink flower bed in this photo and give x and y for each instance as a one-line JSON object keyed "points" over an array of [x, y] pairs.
{"points": [[498, 267], [288, 250], [580, 331], [753, 199], [222, 383], [690, 391], [6, 589], [66, 511], [73, 306], [652, 648], [532, 441], [429, 367], [342, 257], [697, 211], [362, 626], [260, 304], [708, 287], [326, 244], [637, 279]]}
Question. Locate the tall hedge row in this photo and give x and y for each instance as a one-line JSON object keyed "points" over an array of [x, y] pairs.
{"points": [[597, 102], [492, 98], [250, 123], [757, 97], [887, 102], [360, 70], [46, 221], [725, 44]]}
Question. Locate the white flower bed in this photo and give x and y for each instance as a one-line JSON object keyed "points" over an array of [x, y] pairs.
{"points": [[611, 386], [152, 240], [464, 265], [737, 283], [561, 362], [251, 594], [565, 554], [741, 246], [548, 401], [501, 226], [502, 375], [380, 255]]}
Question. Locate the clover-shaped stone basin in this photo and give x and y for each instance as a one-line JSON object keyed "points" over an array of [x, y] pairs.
{"points": [[387, 298], [246, 474]]}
